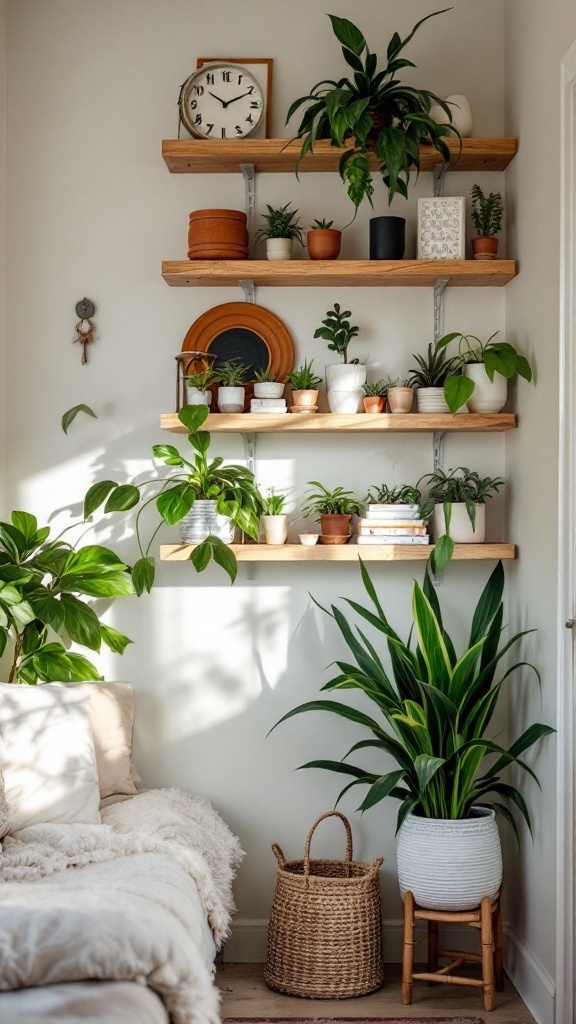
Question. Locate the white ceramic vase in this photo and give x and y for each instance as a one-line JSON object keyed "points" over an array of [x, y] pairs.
{"points": [[450, 865], [231, 399], [268, 389], [461, 529], [345, 402], [432, 400], [275, 529], [279, 248], [197, 397], [489, 395], [461, 114], [345, 376]]}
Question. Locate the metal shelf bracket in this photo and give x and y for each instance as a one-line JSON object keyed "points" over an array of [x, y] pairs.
{"points": [[439, 176], [249, 290], [249, 191], [438, 449], [250, 456], [439, 289]]}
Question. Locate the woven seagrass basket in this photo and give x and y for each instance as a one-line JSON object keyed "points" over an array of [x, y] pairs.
{"points": [[325, 931]]}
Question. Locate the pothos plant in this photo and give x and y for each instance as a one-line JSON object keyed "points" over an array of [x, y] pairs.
{"points": [[232, 487], [43, 584]]}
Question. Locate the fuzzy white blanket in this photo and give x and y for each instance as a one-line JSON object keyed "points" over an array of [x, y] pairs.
{"points": [[132, 907]]}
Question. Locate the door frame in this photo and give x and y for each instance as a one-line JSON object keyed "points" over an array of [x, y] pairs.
{"points": [[566, 764]]}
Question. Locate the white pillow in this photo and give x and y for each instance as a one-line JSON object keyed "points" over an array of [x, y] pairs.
{"points": [[112, 719], [47, 756]]}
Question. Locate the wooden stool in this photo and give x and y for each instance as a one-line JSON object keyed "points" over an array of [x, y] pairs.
{"points": [[487, 919]]}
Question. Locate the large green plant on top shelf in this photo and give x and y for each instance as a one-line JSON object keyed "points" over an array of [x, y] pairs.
{"points": [[232, 487], [372, 109]]}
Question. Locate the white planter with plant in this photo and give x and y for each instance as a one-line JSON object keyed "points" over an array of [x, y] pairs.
{"points": [[461, 528], [486, 368], [266, 385], [279, 231], [274, 519], [445, 758], [198, 397], [431, 400], [342, 377], [203, 520], [230, 377], [456, 501], [198, 387], [430, 375], [304, 383]]}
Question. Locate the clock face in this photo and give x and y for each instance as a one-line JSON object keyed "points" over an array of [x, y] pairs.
{"points": [[221, 101]]}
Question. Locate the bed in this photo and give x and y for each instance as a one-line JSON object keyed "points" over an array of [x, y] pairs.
{"points": [[114, 919]]}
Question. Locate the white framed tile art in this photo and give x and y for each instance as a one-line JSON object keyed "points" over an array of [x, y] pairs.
{"points": [[441, 234]]}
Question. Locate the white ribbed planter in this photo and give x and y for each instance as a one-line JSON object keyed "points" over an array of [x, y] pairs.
{"points": [[345, 376], [461, 530], [489, 395], [279, 248], [450, 865], [432, 400], [202, 520]]}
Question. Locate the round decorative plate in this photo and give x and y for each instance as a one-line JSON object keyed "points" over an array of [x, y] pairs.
{"points": [[244, 331]]}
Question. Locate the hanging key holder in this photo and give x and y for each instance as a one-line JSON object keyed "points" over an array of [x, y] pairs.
{"points": [[84, 327]]}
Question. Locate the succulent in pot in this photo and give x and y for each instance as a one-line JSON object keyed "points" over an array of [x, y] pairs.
{"points": [[345, 376], [431, 373], [432, 712], [274, 518], [198, 385], [304, 383], [487, 213], [323, 240], [231, 376], [401, 494], [375, 395], [334, 509], [456, 500], [266, 385], [486, 368], [279, 231], [372, 110]]}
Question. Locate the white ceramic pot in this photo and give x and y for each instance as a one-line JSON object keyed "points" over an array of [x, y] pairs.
{"points": [[197, 397], [275, 529], [432, 400], [268, 389], [450, 865], [279, 248], [345, 402], [202, 520], [400, 399], [489, 395], [231, 399], [461, 530], [461, 114], [345, 376]]}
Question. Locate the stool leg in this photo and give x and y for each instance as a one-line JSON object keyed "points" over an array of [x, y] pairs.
{"points": [[498, 948], [432, 947], [487, 952], [408, 952]]}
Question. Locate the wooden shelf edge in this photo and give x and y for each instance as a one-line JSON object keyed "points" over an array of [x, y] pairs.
{"points": [[200, 156], [319, 423], [345, 552], [349, 273]]}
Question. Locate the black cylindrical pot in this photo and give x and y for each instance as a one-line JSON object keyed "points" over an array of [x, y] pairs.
{"points": [[387, 238]]}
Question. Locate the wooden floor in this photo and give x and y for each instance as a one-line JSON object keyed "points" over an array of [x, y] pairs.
{"points": [[245, 994]]}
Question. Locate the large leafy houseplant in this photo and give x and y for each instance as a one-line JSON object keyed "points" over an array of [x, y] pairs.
{"points": [[372, 107], [496, 356], [42, 585], [456, 486], [433, 708], [232, 487]]}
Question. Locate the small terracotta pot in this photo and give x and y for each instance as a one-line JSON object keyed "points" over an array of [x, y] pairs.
{"points": [[374, 403], [400, 399], [324, 243], [304, 397], [335, 526], [485, 247], [217, 235]]}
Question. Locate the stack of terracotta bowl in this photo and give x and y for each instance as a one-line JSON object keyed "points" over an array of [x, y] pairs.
{"points": [[217, 235]]}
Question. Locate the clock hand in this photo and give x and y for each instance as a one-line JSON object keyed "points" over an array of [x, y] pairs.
{"points": [[228, 102], [213, 94]]}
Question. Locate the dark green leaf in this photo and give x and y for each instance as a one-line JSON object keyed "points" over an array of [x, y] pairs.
{"points": [[193, 416], [347, 34], [124, 497], [224, 557], [175, 502], [201, 555], [81, 622], [96, 495], [143, 575], [116, 641], [72, 413], [26, 524]]}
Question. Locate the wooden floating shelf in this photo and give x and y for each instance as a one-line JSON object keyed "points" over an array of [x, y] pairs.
{"points": [[328, 423], [344, 552], [199, 156], [345, 273]]}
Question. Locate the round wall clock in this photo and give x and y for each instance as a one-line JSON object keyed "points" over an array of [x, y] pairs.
{"points": [[221, 101]]}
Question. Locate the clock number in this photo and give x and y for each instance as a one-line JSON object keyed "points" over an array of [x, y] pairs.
{"points": [[238, 129], [193, 104], [199, 89], [198, 119], [254, 105], [250, 119], [250, 90], [240, 77], [225, 76], [223, 133], [209, 79], [209, 128]]}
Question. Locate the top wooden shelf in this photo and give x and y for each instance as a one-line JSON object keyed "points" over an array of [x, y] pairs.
{"points": [[200, 156], [325, 423]]}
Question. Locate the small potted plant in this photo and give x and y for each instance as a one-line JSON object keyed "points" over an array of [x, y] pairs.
{"points": [[274, 519], [430, 375], [334, 509], [486, 369], [323, 240], [375, 395], [456, 500], [304, 383], [400, 396], [487, 213], [198, 385], [405, 498], [266, 385], [343, 380], [280, 230], [230, 376]]}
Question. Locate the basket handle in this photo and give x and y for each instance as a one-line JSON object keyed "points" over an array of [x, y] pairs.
{"points": [[278, 854], [329, 814]]}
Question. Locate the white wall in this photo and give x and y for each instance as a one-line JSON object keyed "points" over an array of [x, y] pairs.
{"points": [[92, 211], [532, 98]]}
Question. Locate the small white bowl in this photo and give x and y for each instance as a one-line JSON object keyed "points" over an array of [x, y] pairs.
{"points": [[308, 539]]}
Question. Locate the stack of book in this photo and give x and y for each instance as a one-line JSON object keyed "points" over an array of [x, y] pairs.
{"points": [[275, 405], [391, 524]]}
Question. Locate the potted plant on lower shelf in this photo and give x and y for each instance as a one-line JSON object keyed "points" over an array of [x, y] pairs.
{"points": [[231, 377], [456, 500], [487, 213], [273, 518], [304, 383], [433, 709], [207, 499], [280, 229], [486, 368], [334, 509], [323, 241], [198, 385], [430, 375]]}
